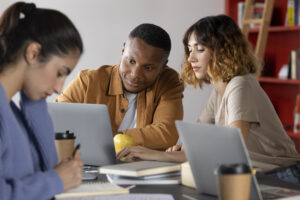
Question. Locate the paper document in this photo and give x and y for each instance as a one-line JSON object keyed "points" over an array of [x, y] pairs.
{"points": [[121, 180], [93, 189]]}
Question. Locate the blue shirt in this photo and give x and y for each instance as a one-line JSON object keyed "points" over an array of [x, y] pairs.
{"points": [[27, 151]]}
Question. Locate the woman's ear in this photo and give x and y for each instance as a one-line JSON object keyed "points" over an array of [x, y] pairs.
{"points": [[32, 52]]}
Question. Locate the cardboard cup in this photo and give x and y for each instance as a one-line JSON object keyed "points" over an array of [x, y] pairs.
{"points": [[234, 181], [234, 186], [64, 148], [64, 142]]}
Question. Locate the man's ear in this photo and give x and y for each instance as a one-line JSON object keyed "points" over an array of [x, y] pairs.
{"points": [[166, 62], [161, 69], [32, 52], [124, 44]]}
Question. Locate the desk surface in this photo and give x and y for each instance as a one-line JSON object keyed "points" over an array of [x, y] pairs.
{"points": [[181, 192], [177, 191]]}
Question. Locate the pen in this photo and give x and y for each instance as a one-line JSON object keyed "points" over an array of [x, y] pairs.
{"points": [[130, 187], [188, 197], [75, 150]]}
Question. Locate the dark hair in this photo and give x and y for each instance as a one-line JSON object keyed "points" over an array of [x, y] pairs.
{"points": [[152, 35], [232, 54], [23, 23]]}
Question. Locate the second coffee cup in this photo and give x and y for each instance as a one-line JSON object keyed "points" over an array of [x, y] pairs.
{"points": [[234, 181], [64, 142]]}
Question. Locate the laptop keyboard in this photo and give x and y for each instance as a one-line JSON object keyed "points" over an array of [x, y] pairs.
{"points": [[267, 196], [273, 192], [91, 174], [87, 177]]}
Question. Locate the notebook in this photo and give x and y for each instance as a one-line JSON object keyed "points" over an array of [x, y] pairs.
{"points": [[93, 189], [140, 168], [91, 126], [143, 196], [172, 178]]}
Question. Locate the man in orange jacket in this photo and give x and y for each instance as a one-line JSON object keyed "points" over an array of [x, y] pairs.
{"points": [[143, 95]]}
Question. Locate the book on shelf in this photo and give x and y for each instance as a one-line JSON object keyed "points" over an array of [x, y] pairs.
{"points": [[293, 13], [241, 7], [294, 64], [93, 189], [257, 13], [296, 12], [140, 168], [290, 13]]}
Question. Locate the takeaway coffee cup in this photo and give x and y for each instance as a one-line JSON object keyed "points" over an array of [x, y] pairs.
{"points": [[64, 142], [234, 181]]}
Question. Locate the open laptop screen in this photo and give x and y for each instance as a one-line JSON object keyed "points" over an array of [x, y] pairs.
{"points": [[208, 146], [91, 126]]}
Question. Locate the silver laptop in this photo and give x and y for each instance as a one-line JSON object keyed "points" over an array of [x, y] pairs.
{"points": [[91, 126], [206, 147]]}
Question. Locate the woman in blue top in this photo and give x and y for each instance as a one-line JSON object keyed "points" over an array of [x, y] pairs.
{"points": [[38, 49]]}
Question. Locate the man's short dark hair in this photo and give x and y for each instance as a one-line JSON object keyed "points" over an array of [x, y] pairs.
{"points": [[152, 35]]}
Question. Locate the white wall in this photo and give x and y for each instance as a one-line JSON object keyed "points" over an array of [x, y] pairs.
{"points": [[105, 25]]}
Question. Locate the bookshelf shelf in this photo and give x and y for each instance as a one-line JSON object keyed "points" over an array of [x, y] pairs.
{"points": [[293, 134], [278, 81], [281, 41], [286, 29]]}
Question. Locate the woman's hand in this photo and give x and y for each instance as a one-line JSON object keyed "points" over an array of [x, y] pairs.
{"points": [[70, 172], [177, 147], [139, 153]]}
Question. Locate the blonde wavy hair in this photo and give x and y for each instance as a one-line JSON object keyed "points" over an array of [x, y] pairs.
{"points": [[231, 53]]}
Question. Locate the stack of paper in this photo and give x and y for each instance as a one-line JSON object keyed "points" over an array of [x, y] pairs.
{"points": [[143, 173], [161, 179], [140, 168]]}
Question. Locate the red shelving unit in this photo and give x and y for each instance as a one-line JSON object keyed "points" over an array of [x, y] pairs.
{"points": [[278, 18], [278, 81], [278, 29], [281, 40], [295, 137]]}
